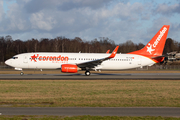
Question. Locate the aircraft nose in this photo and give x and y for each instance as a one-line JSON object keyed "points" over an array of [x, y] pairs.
{"points": [[8, 62]]}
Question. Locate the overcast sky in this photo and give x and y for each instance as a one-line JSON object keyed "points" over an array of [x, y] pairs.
{"points": [[119, 20]]}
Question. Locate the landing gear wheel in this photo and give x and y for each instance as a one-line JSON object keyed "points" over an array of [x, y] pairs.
{"points": [[87, 73], [21, 73]]}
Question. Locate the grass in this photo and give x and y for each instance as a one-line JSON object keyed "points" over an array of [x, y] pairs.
{"points": [[84, 118], [89, 93]]}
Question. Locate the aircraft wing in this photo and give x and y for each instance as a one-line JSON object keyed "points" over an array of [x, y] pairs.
{"points": [[92, 64]]}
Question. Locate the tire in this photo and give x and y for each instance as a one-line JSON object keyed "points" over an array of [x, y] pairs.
{"points": [[87, 73], [21, 73]]}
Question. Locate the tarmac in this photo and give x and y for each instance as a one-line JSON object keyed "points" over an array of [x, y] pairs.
{"points": [[94, 76], [94, 111]]}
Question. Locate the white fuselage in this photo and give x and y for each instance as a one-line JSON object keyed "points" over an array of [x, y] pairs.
{"points": [[49, 60]]}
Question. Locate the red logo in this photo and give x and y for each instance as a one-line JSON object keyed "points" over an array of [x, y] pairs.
{"points": [[49, 58], [34, 57]]}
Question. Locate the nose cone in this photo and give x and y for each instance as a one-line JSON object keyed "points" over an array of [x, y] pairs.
{"points": [[8, 62]]}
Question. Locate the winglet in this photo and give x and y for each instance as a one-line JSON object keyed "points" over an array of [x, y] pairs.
{"points": [[107, 51], [114, 52]]}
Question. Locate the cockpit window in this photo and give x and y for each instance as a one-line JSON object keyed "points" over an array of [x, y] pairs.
{"points": [[14, 57]]}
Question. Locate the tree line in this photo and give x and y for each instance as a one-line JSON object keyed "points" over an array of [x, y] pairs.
{"points": [[10, 47]]}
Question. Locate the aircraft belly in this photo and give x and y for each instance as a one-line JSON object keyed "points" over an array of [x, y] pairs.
{"points": [[118, 65], [122, 65], [44, 65]]}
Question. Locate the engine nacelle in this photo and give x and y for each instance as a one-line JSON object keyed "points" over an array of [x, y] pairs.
{"points": [[69, 68]]}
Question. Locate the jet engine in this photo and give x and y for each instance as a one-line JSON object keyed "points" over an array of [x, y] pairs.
{"points": [[69, 68]]}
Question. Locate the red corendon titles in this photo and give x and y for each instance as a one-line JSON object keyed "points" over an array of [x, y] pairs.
{"points": [[49, 58]]}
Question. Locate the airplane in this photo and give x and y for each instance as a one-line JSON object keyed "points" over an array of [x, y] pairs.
{"points": [[72, 62]]}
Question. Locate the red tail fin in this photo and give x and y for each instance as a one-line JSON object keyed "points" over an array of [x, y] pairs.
{"points": [[156, 46]]}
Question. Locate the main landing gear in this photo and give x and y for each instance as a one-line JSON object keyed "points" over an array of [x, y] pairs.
{"points": [[87, 73], [21, 73]]}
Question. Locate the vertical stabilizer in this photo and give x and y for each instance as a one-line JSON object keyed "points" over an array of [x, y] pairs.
{"points": [[156, 45]]}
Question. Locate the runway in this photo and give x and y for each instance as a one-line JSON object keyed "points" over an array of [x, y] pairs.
{"points": [[94, 76], [94, 111]]}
